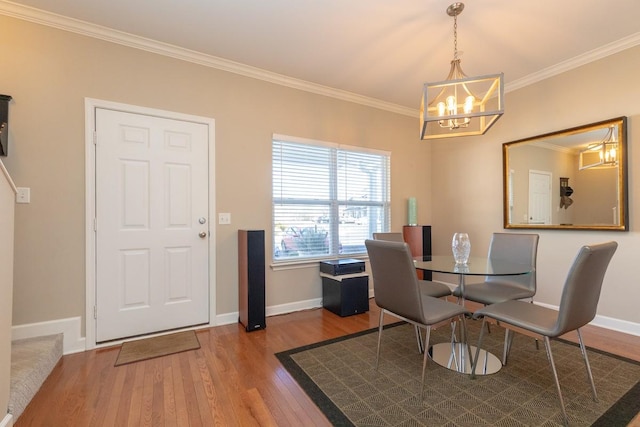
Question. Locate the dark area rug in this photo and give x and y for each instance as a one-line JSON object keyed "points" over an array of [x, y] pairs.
{"points": [[339, 376], [148, 348]]}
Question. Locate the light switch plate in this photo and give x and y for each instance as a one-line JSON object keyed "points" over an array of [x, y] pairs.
{"points": [[23, 195], [224, 218]]}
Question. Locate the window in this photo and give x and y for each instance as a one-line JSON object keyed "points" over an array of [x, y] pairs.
{"points": [[327, 199]]}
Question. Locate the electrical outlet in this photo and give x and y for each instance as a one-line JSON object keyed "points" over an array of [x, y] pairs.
{"points": [[224, 218], [23, 195]]}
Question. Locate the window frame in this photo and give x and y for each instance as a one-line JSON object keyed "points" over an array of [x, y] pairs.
{"points": [[334, 204]]}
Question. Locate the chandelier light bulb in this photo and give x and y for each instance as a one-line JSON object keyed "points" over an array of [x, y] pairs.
{"points": [[451, 105], [468, 104]]}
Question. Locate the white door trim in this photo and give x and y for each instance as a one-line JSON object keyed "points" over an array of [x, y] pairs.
{"points": [[90, 204]]}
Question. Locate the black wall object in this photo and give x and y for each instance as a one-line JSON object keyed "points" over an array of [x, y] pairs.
{"points": [[251, 275], [4, 124], [418, 237]]}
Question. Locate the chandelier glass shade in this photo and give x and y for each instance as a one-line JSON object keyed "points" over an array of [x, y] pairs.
{"points": [[460, 105]]}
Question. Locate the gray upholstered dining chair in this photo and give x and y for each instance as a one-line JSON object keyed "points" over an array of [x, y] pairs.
{"points": [[578, 305], [391, 236], [397, 291], [514, 247], [427, 287], [433, 289]]}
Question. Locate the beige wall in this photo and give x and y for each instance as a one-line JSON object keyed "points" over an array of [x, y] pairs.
{"points": [[49, 74], [7, 203], [467, 176]]}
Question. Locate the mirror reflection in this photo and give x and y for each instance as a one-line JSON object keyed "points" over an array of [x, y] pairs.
{"points": [[571, 179]]}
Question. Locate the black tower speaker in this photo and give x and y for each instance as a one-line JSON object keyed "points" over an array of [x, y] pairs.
{"points": [[251, 275]]}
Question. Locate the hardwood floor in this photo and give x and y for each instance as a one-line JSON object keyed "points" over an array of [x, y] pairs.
{"points": [[234, 379]]}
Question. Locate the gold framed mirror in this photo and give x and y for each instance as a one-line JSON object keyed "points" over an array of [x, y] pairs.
{"points": [[574, 179]]}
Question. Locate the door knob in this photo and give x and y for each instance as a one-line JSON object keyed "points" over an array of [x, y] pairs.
{"points": [[202, 234]]}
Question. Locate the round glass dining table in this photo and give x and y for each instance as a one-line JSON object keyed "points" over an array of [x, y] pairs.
{"points": [[455, 355]]}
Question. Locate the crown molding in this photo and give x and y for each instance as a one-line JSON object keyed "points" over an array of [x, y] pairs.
{"points": [[42, 17], [575, 62], [72, 25]]}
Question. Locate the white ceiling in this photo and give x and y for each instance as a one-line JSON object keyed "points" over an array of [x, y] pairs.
{"points": [[382, 49]]}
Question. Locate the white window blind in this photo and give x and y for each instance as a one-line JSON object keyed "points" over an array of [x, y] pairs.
{"points": [[327, 199]]}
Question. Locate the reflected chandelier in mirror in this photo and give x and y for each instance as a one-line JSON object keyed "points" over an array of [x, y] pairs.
{"points": [[573, 179]]}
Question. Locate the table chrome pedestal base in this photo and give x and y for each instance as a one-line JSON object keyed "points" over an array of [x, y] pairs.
{"points": [[455, 356]]}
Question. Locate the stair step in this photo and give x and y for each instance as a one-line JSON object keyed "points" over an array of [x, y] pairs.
{"points": [[32, 360]]}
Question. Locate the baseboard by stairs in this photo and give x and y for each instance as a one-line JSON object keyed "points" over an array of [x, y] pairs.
{"points": [[7, 421], [69, 327], [32, 360]]}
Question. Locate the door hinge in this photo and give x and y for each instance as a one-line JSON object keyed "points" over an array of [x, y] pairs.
{"points": [[95, 312], [95, 224], [95, 138]]}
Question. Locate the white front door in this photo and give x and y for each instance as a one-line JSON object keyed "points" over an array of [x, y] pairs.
{"points": [[152, 224], [539, 197]]}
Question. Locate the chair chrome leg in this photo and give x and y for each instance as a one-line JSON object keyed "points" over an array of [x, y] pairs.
{"points": [[583, 350], [505, 351], [465, 343], [453, 359], [419, 339], [424, 360], [537, 343], [547, 345], [489, 324], [477, 356], [508, 340], [380, 323], [453, 330]]}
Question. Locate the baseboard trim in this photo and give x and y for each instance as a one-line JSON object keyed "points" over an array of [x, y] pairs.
{"points": [[74, 343], [273, 310], [70, 327], [606, 322], [7, 421], [227, 318], [617, 325], [276, 310]]}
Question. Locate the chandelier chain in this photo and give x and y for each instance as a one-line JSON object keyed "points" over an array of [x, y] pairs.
{"points": [[455, 36]]}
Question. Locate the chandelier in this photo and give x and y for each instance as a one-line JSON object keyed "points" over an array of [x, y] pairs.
{"points": [[460, 105], [600, 154]]}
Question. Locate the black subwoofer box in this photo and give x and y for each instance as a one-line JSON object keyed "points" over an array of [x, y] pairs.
{"points": [[345, 295]]}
